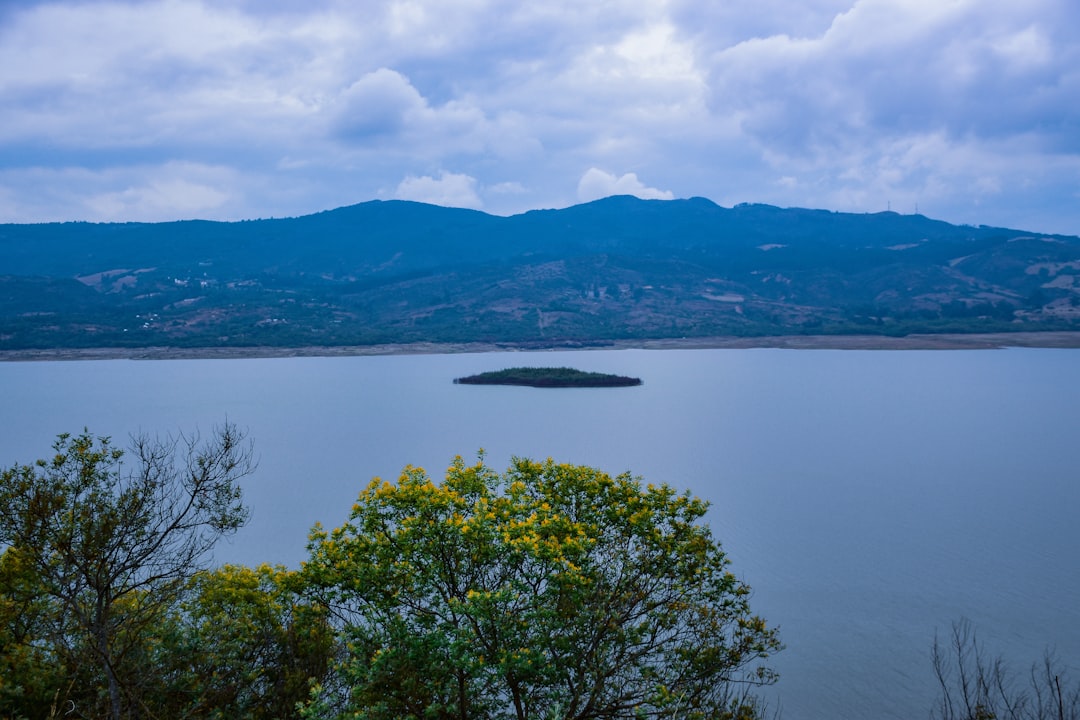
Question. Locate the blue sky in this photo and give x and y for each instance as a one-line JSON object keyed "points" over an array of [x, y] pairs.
{"points": [[968, 110]]}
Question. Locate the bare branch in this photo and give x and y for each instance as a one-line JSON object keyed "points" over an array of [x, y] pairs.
{"points": [[115, 545], [983, 688]]}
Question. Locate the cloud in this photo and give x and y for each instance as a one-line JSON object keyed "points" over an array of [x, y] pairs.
{"points": [[508, 188], [449, 190], [154, 78], [848, 104], [596, 184], [849, 111], [171, 191], [895, 66], [380, 103], [160, 199]]}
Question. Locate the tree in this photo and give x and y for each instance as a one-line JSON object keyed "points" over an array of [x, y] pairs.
{"points": [[30, 670], [976, 686], [548, 591], [113, 546], [243, 643]]}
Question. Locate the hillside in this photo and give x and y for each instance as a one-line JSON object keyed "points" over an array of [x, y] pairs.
{"points": [[618, 268]]}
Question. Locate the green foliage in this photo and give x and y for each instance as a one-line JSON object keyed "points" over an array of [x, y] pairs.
{"points": [[548, 377], [100, 551], [619, 268], [243, 643], [547, 591], [30, 668]]}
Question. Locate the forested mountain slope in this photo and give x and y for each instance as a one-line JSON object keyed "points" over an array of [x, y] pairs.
{"points": [[616, 268]]}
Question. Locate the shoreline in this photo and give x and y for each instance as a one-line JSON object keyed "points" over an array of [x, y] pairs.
{"points": [[950, 341]]}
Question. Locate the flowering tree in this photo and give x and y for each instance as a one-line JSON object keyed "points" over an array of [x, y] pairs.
{"points": [[547, 591], [244, 644]]}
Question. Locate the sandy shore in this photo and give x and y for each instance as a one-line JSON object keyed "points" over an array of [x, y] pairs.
{"points": [[985, 341]]}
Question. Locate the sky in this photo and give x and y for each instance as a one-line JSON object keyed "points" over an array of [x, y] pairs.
{"points": [[962, 110]]}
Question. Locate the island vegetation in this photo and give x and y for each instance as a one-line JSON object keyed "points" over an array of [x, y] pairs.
{"points": [[548, 377]]}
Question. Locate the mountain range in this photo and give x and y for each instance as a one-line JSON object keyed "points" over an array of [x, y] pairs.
{"points": [[614, 269]]}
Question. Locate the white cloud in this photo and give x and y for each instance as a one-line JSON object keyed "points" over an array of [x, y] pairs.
{"points": [[315, 105], [378, 104], [508, 188], [838, 110], [888, 66], [170, 191], [596, 184], [160, 199], [449, 190]]}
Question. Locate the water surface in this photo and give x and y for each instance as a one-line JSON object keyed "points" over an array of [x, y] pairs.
{"points": [[870, 498]]}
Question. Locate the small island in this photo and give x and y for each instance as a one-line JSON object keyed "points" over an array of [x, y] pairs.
{"points": [[562, 377]]}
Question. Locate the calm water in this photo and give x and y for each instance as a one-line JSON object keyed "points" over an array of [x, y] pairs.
{"points": [[870, 498]]}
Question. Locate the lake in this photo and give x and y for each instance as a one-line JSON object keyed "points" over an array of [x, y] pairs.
{"points": [[870, 498]]}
